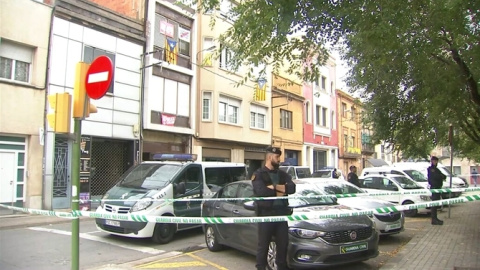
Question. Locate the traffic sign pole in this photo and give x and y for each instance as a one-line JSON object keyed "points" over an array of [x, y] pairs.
{"points": [[75, 193]]}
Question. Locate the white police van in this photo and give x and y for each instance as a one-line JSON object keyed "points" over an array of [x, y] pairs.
{"points": [[142, 188]]}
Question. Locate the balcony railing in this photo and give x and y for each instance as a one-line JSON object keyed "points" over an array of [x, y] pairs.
{"points": [[368, 148], [352, 152]]}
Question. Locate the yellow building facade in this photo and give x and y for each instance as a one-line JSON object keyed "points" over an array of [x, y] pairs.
{"points": [[349, 131], [287, 118]]}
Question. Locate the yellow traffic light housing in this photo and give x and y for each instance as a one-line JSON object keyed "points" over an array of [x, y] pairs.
{"points": [[81, 102], [59, 119]]}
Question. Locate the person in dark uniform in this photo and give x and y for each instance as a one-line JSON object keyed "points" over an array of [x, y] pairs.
{"points": [[269, 181], [335, 173], [435, 181], [352, 176]]}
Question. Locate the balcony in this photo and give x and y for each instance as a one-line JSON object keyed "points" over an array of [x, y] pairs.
{"points": [[368, 149], [352, 152]]}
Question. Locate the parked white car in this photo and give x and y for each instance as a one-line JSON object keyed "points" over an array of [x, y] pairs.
{"points": [[375, 183], [413, 174], [386, 223], [297, 172]]}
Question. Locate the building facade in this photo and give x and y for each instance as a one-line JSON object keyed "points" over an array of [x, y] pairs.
{"points": [[232, 124], [23, 68], [320, 127], [81, 32], [169, 112], [287, 118], [349, 131]]}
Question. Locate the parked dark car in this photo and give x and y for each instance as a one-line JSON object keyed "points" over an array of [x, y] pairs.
{"points": [[312, 243]]}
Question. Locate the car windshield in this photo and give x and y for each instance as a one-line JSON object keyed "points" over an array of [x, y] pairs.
{"points": [[322, 174], [303, 173], [338, 188], [416, 175], [406, 183], [445, 171], [309, 190], [150, 176]]}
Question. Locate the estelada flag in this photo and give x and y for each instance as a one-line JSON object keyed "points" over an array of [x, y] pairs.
{"points": [[171, 51], [260, 90]]}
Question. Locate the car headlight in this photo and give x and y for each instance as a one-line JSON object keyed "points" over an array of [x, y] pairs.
{"points": [[102, 202], [141, 204], [303, 233], [425, 198]]}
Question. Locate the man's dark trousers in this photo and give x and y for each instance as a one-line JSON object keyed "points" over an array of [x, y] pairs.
{"points": [[265, 232]]}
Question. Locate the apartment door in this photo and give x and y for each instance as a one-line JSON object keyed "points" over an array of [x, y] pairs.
{"points": [[7, 177]]}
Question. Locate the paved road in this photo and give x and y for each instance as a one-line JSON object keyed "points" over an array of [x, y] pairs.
{"points": [[48, 246]]}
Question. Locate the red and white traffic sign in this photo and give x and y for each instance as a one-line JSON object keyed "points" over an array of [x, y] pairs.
{"points": [[99, 77]]}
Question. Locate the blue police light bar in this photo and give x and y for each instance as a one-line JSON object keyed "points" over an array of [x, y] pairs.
{"points": [[175, 157]]}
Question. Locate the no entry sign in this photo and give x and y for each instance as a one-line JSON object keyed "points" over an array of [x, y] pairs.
{"points": [[99, 76]]}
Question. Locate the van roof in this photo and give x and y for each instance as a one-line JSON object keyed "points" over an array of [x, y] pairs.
{"points": [[203, 163]]}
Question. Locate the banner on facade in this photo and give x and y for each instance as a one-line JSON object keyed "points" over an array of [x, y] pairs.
{"points": [[167, 29], [171, 51], [183, 34], [168, 120], [260, 90]]}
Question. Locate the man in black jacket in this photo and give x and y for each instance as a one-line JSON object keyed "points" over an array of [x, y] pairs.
{"points": [[269, 181], [352, 176], [435, 180]]}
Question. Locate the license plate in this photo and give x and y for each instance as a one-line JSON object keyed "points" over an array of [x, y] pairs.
{"points": [[396, 225], [115, 223], [353, 248]]}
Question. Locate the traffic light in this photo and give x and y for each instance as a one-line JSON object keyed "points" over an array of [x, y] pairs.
{"points": [[81, 102], [59, 119]]}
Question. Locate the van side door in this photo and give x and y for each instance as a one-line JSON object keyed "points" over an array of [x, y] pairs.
{"points": [[192, 179]]}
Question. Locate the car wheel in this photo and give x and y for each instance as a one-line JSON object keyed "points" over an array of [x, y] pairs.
{"points": [[410, 213], [271, 256], [211, 239], [163, 233]]}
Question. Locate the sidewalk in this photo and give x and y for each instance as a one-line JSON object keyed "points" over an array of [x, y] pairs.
{"points": [[453, 246], [10, 219]]}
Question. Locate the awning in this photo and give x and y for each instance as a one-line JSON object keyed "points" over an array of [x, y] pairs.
{"points": [[377, 162]]}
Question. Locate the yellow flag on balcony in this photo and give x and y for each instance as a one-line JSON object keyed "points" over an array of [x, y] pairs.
{"points": [[260, 90], [171, 51]]}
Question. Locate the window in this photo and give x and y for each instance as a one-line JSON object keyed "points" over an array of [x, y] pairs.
{"points": [[91, 53], [352, 112], [457, 170], [226, 56], [324, 117], [15, 61], [331, 87], [324, 83], [257, 116], [229, 110], [332, 120], [206, 105], [345, 141], [321, 116], [285, 119], [317, 115], [167, 28], [307, 112], [344, 110], [169, 102], [353, 144]]}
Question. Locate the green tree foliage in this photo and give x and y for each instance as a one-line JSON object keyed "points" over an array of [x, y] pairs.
{"points": [[414, 62]]}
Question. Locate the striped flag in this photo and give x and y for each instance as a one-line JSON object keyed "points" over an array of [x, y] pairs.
{"points": [[171, 51], [260, 90]]}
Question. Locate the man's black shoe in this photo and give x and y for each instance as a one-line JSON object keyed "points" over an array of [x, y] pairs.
{"points": [[437, 222]]}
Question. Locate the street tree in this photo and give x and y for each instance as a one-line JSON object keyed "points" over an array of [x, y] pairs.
{"points": [[413, 63]]}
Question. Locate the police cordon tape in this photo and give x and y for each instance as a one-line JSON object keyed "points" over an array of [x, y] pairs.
{"points": [[228, 220], [350, 195]]}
